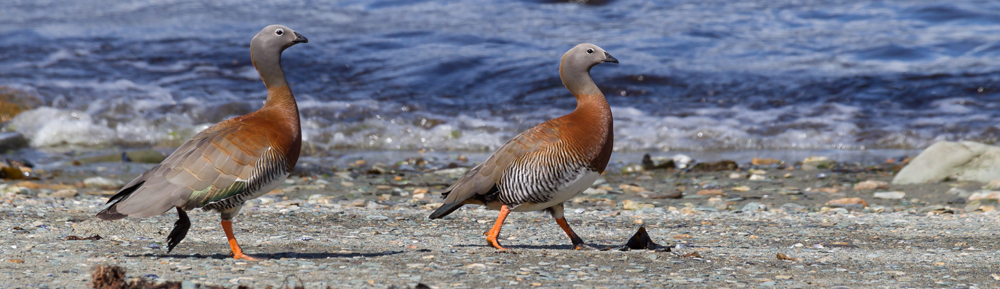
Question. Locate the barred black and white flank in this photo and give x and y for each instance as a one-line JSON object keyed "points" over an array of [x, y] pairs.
{"points": [[550, 163]]}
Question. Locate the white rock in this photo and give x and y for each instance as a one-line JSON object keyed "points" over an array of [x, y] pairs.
{"points": [[980, 195], [959, 192], [103, 183], [454, 173], [963, 161], [343, 175], [814, 162], [870, 185], [287, 204], [67, 193], [890, 195], [993, 185], [682, 161], [591, 191]]}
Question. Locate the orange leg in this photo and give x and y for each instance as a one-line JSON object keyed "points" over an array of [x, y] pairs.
{"points": [[577, 241], [237, 251], [491, 236], [557, 213]]}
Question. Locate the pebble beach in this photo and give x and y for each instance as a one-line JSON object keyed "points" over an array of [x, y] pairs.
{"points": [[774, 224]]}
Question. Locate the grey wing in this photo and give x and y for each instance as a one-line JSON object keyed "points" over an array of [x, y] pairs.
{"points": [[209, 167]]}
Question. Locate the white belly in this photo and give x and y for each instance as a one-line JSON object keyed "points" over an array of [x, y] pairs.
{"points": [[568, 192]]}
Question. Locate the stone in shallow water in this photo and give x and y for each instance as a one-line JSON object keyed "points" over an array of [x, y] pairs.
{"points": [[764, 161], [817, 162]]}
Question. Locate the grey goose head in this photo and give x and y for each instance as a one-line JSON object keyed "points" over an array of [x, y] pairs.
{"points": [[574, 70], [265, 52]]}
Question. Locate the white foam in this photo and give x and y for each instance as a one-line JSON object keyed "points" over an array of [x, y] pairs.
{"points": [[176, 66], [55, 57], [956, 105], [48, 126]]}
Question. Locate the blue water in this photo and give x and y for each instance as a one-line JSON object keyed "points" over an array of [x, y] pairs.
{"points": [[468, 75]]}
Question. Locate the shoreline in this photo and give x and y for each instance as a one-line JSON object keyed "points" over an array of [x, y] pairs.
{"points": [[63, 157]]}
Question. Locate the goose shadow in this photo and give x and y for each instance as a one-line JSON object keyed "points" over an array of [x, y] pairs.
{"points": [[275, 256], [597, 247]]}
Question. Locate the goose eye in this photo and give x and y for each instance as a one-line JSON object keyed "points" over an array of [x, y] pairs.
{"points": [[279, 32], [590, 50]]}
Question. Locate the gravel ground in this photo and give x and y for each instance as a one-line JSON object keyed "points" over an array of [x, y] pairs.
{"points": [[366, 227]]}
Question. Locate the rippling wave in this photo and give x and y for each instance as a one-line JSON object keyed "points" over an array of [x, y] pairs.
{"points": [[468, 75]]}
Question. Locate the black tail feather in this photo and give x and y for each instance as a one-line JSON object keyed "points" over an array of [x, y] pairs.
{"points": [[445, 209], [111, 212], [180, 230]]}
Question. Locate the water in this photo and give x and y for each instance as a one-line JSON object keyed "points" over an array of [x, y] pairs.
{"points": [[695, 76]]}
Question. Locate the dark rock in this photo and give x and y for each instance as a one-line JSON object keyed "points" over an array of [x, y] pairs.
{"points": [[140, 156], [642, 241], [11, 141], [143, 156], [648, 164], [725, 165], [77, 238], [113, 277], [108, 276], [13, 102], [667, 195]]}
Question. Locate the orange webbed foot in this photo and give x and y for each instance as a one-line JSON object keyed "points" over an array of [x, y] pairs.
{"points": [[495, 244], [242, 256]]}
